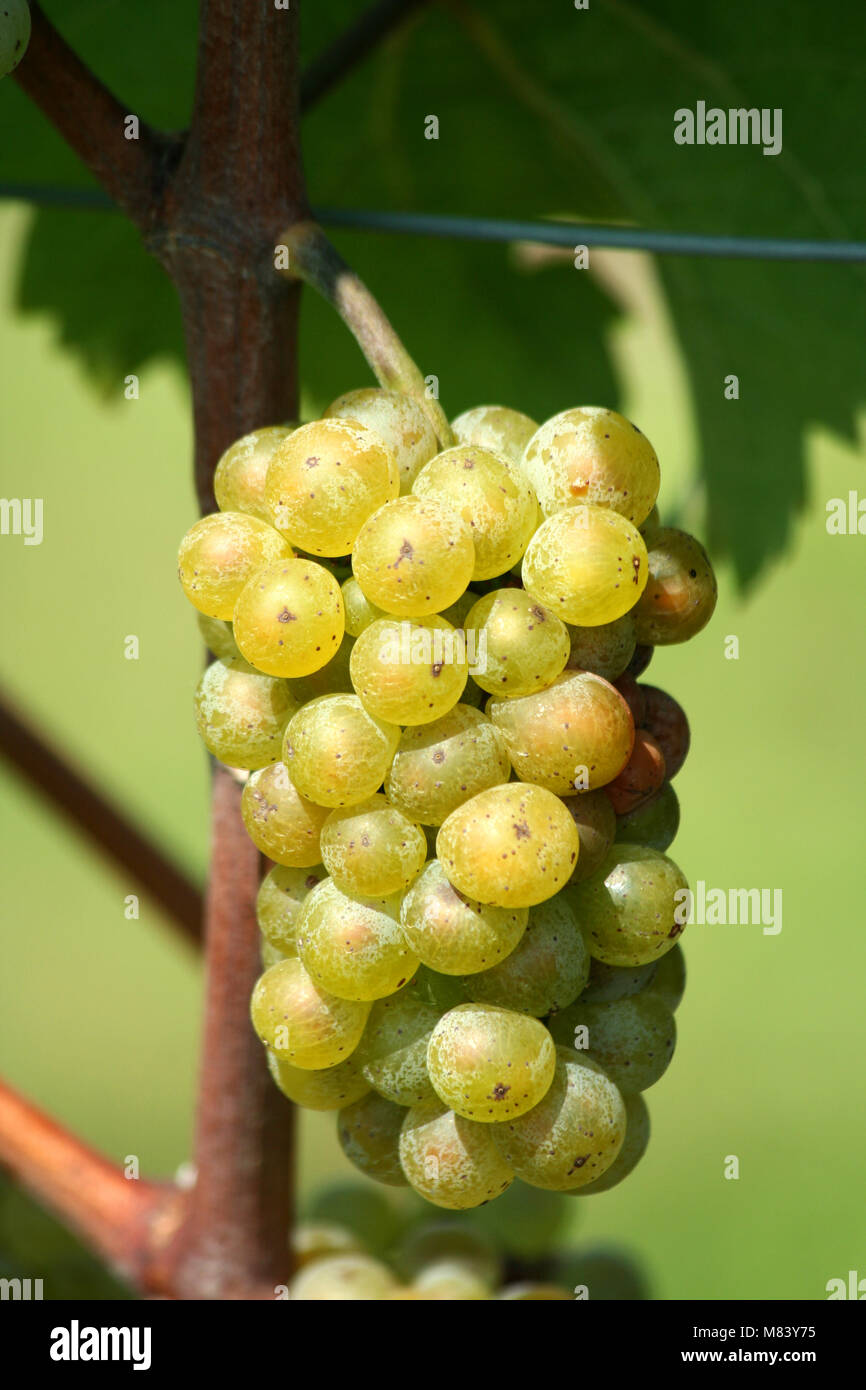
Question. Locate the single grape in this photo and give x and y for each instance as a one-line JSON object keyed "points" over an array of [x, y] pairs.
{"points": [[414, 556], [576, 734], [490, 1064], [343, 1278], [430, 1248], [680, 593], [360, 612], [14, 34], [289, 619], [592, 455], [547, 969], [452, 934], [669, 981], [331, 679], [393, 1051], [330, 1088], [517, 645], [281, 896], [337, 752], [314, 1240], [449, 1160], [239, 480], [353, 947], [587, 564], [325, 480], [595, 819], [653, 824], [628, 910], [372, 849], [666, 721], [280, 822], [452, 1280], [633, 1038], [605, 649], [409, 672], [637, 1135], [641, 777], [241, 715], [513, 845], [608, 982], [495, 427], [397, 419], [369, 1135], [530, 1292], [643, 655], [219, 553], [218, 637], [634, 696], [301, 1023], [492, 497], [440, 765]]}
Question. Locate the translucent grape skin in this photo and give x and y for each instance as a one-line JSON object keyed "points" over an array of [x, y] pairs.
{"points": [[496, 427], [545, 972], [337, 752], [627, 910], [369, 1135], [301, 1023], [353, 947], [490, 1064], [491, 495], [392, 1054], [588, 565], [666, 721], [452, 934], [414, 557], [514, 846], [280, 822], [519, 645], [342, 1278], [241, 714], [596, 824], [409, 672], [218, 637], [641, 777], [281, 896], [592, 455], [575, 1132], [440, 765], [288, 619], [219, 553], [328, 1088], [372, 849], [360, 612], [450, 1160], [239, 479], [669, 981], [605, 649], [325, 480], [633, 1038], [397, 419], [681, 591], [637, 1137]]}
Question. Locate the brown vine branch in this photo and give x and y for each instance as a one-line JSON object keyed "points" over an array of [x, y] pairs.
{"points": [[352, 47]]}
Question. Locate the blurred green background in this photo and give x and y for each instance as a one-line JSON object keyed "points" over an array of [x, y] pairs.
{"points": [[99, 1015]]}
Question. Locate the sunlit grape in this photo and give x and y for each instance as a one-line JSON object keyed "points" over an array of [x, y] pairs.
{"points": [[440, 765], [369, 1135], [241, 714], [628, 910], [587, 564], [641, 777], [637, 1135], [592, 455], [397, 419], [666, 720], [605, 649], [409, 672], [495, 427], [453, 1280], [282, 823], [288, 619], [414, 556], [301, 1023], [328, 1088], [325, 480], [518, 645], [653, 824], [239, 480], [669, 981], [337, 752], [633, 1038], [489, 1064], [547, 969], [343, 1278], [353, 947], [608, 982], [393, 1051], [492, 497], [452, 934], [360, 612], [595, 819], [219, 553], [681, 592], [449, 1160], [278, 906], [372, 849], [218, 637], [513, 845]]}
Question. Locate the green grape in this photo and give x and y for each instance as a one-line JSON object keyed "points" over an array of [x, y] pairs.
{"points": [[449, 1160], [628, 910], [330, 1088], [443, 991], [289, 618], [513, 845], [241, 715], [681, 592], [14, 34], [280, 822], [578, 733], [281, 896], [414, 557], [219, 553], [369, 1135], [575, 1132], [338, 753], [325, 480], [607, 982], [301, 1023], [526, 1221], [353, 947], [343, 1278], [440, 765], [428, 1250], [654, 824], [451, 1280], [409, 672], [495, 427], [360, 612], [452, 934], [368, 1212], [331, 679], [270, 954], [633, 1038], [606, 1274], [397, 419], [490, 1064], [605, 649], [239, 480], [535, 1293], [372, 849], [491, 496], [218, 637], [314, 1240], [519, 646], [595, 819], [547, 969], [587, 564], [393, 1051], [669, 981], [637, 1134], [592, 455]]}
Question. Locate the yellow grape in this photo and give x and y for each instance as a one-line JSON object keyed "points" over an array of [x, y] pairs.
{"points": [[325, 480], [409, 672], [343, 1278], [587, 564], [496, 427], [369, 1135], [218, 637], [605, 649], [547, 969], [338, 753], [414, 556], [278, 906], [288, 619], [451, 1161], [280, 822], [239, 480], [219, 553], [331, 679], [301, 1023], [519, 645], [491, 496], [327, 1089], [438, 766], [490, 1064], [360, 612], [596, 456], [397, 419], [513, 845], [354, 947], [372, 849], [452, 934], [241, 715]]}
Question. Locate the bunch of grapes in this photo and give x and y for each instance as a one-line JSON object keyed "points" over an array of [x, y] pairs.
{"points": [[427, 670]]}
